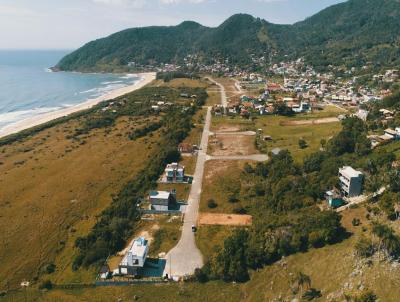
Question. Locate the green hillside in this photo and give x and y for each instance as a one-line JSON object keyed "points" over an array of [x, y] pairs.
{"points": [[352, 33]]}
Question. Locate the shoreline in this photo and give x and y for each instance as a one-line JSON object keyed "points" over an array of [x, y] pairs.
{"points": [[146, 78]]}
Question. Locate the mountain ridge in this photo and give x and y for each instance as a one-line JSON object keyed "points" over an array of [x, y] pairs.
{"points": [[351, 33]]}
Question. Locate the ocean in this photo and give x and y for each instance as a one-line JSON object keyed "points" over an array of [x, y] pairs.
{"points": [[28, 88]]}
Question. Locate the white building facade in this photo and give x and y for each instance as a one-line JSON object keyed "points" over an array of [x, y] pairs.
{"points": [[350, 181]]}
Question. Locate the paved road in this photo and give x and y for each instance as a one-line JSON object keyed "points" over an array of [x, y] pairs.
{"points": [[185, 257], [253, 157]]}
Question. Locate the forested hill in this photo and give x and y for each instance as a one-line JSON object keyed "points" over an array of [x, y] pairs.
{"points": [[352, 33]]}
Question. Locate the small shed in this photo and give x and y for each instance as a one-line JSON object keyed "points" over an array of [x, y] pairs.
{"points": [[104, 272], [276, 151]]}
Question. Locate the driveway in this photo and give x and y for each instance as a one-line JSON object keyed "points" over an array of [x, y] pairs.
{"points": [[185, 257], [224, 100], [253, 157]]}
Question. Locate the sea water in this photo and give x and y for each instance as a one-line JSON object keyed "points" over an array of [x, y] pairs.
{"points": [[28, 88]]}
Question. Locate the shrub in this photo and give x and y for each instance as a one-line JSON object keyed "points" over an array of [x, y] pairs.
{"points": [[233, 199], [46, 284], [239, 210], [200, 275], [302, 144], [50, 268], [212, 204], [364, 248]]}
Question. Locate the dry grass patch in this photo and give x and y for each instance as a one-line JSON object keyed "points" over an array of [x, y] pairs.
{"points": [[221, 183], [224, 219], [53, 194]]}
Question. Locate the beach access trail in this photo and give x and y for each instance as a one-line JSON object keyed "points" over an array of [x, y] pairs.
{"points": [[146, 78]]}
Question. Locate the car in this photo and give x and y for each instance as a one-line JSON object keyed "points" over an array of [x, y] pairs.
{"points": [[194, 228]]}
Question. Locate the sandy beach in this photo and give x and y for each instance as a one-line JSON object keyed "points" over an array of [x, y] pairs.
{"points": [[146, 78]]}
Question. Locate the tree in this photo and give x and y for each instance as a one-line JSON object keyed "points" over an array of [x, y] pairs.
{"points": [[46, 284], [280, 108], [314, 161], [232, 258]]}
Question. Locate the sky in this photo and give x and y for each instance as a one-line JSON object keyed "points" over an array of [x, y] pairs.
{"points": [[68, 24]]}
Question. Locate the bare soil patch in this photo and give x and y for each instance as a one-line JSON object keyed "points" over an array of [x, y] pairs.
{"points": [[224, 219], [226, 145], [311, 122]]}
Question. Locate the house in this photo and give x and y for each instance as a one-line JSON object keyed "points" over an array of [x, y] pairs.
{"points": [[303, 107], [334, 199], [390, 132], [362, 114], [185, 148], [162, 200], [350, 181], [174, 173], [134, 258]]}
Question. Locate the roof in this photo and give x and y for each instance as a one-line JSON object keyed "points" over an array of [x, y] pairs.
{"points": [[159, 194], [138, 248], [350, 172], [104, 269], [391, 131]]}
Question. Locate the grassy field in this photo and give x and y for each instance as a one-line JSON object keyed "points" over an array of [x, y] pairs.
{"points": [[194, 292], [54, 186], [287, 137], [210, 239], [52, 190], [333, 269]]}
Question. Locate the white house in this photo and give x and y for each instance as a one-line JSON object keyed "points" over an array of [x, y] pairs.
{"points": [[162, 200], [134, 258], [350, 181]]}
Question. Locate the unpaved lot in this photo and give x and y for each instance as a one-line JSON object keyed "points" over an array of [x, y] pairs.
{"points": [[224, 219], [320, 121], [227, 145]]}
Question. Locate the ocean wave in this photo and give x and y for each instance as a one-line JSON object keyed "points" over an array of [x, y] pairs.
{"points": [[112, 82], [100, 91], [16, 116], [129, 76]]}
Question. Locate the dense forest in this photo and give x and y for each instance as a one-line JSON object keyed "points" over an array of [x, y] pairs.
{"points": [[354, 33]]}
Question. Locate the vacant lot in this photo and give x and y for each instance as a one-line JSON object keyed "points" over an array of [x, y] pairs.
{"points": [[226, 145], [222, 184], [224, 219], [224, 123], [317, 121], [287, 137]]}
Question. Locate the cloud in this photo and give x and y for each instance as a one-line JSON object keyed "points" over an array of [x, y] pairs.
{"points": [[181, 1]]}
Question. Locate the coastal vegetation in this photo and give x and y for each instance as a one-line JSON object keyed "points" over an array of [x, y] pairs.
{"points": [[87, 174]]}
